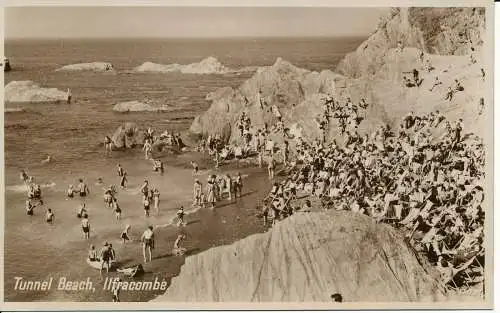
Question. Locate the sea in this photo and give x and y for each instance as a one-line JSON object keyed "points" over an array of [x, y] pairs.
{"points": [[72, 134]]}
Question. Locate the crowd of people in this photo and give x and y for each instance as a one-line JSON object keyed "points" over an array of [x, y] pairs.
{"points": [[425, 178]]}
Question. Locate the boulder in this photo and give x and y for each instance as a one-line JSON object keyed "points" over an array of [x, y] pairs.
{"points": [[93, 66], [128, 135], [308, 257], [136, 106], [28, 91]]}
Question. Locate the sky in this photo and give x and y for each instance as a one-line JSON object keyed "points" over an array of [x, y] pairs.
{"points": [[189, 22]]}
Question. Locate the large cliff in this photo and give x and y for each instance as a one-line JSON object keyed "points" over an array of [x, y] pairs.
{"points": [[309, 257], [374, 72]]}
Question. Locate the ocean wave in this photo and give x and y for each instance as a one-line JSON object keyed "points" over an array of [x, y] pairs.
{"points": [[24, 188], [208, 65]]}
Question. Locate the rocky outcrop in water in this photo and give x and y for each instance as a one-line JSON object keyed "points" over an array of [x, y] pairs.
{"points": [[128, 135], [28, 91], [309, 257], [93, 66], [136, 106], [208, 65]]}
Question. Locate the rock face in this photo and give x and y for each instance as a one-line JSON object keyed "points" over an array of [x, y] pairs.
{"points": [[308, 257], [208, 65], [128, 135], [136, 106], [28, 91], [373, 72], [93, 66], [445, 31]]}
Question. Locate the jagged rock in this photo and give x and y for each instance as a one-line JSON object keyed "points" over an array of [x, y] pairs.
{"points": [[128, 135], [308, 257], [136, 106], [28, 91], [93, 66]]}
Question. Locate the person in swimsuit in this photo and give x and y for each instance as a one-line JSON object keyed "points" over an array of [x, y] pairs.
{"points": [[115, 290], [105, 257], [112, 253], [270, 168], [83, 188], [177, 244], [238, 186], [68, 96], [195, 167], [86, 227], [81, 211], [50, 216], [70, 193], [108, 145], [124, 235], [24, 177], [92, 254], [156, 200], [147, 239], [29, 208], [180, 216], [122, 175], [147, 148], [117, 210], [144, 188], [145, 204], [197, 191]]}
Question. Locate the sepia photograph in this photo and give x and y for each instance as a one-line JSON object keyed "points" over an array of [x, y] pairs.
{"points": [[320, 156]]}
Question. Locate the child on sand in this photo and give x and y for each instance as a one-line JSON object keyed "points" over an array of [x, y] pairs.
{"points": [[156, 200], [92, 253], [124, 235], [49, 216], [145, 204], [117, 210], [70, 193], [195, 167]]}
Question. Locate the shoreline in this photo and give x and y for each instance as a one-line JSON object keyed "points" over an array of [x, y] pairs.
{"points": [[228, 223]]}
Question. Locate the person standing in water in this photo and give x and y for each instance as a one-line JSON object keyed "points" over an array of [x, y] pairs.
{"points": [[124, 235], [92, 253], [270, 167], [24, 177], [83, 188], [195, 167], [121, 175], [156, 200], [145, 204], [180, 216], [108, 145], [144, 188], [86, 226], [238, 186], [147, 239], [178, 250], [29, 208], [117, 210], [147, 148], [197, 191], [49, 216], [68, 96], [70, 193]]}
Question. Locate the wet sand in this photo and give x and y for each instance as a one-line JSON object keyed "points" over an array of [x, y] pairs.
{"points": [[62, 250]]}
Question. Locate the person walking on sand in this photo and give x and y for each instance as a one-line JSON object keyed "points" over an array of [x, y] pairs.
{"points": [[147, 239], [124, 236], [156, 200], [117, 210], [86, 226], [83, 188], [105, 257]]}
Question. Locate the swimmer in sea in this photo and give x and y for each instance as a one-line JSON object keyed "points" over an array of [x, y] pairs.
{"points": [[124, 235], [147, 239], [50, 216], [83, 188], [86, 227]]}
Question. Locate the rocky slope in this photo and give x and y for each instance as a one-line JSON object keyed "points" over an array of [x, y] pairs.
{"points": [[93, 66], [128, 135], [30, 92], [308, 257], [373, 72]]}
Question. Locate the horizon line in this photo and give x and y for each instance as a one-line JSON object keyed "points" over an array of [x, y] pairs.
{"points": [[5, 38]]}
